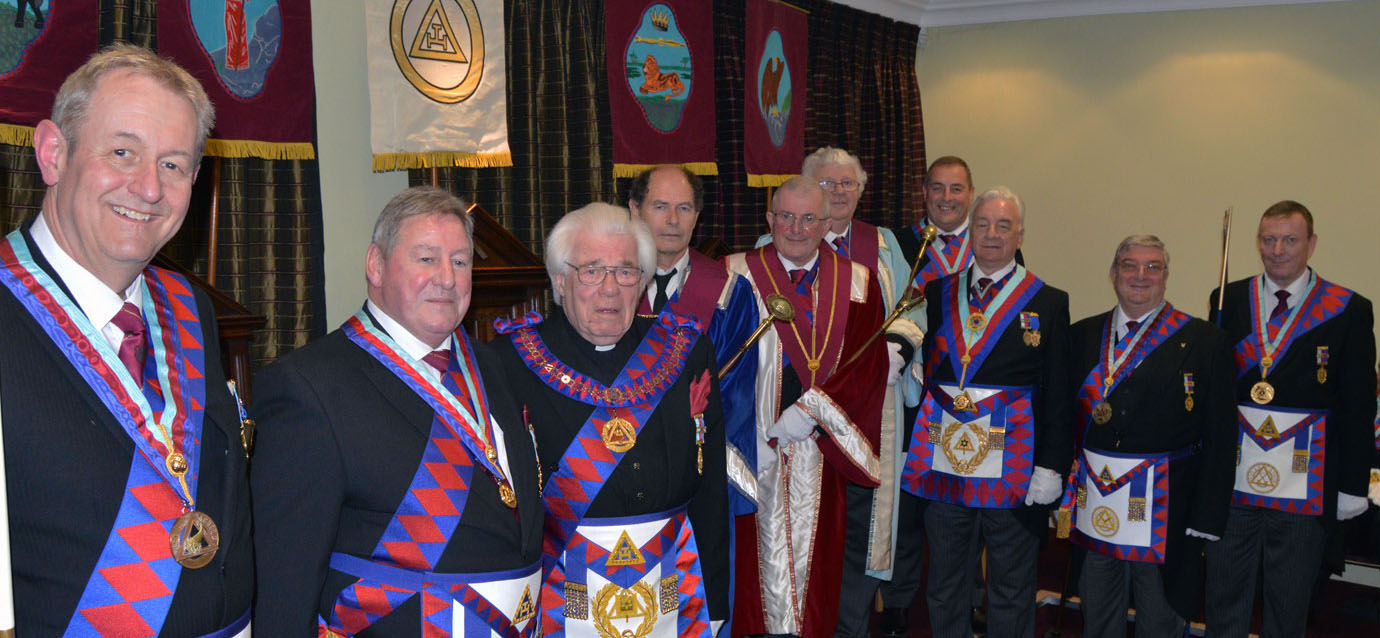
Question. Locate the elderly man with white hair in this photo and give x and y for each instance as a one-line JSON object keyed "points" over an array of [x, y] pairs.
{"points": [[995, 426], [629, 430]]}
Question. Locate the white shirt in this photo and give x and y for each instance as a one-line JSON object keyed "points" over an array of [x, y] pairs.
{"points": [[939, 241], [995, 277], [1119, 319], [97, 301], [682, 268], [417, 349], [1295, 290], [789, 265], [830, 236]]}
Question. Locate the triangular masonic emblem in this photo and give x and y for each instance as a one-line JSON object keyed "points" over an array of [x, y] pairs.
{"points": [[625, 553], [434, 39]]}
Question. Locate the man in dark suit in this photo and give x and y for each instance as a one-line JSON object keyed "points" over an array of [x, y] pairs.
{"points": [[382, 464], [1153, 474], [128, 499], [1305, 373], [994, 429], [630, 430]]}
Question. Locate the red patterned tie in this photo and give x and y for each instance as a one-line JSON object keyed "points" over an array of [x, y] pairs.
{"points": [[132, 347], [797, 275], [981, 293], [949, 239], [841, 245], [1283, 305], [439, 359]]}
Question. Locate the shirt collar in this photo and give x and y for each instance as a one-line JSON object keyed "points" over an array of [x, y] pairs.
{"points": [[96, 300], [996, 276], [960, 231], [1295, 288], [1119, 319], [789, 266], [682, 267], [831, 235], [410, 344]]}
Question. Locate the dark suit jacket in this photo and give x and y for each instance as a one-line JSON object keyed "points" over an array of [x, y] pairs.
{"points": [[1013, 363], [339, 440], [659, 473], [1349, 391], [1149, 416], [66, 463]]}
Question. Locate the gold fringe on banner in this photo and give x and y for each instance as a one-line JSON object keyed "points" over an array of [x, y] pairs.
{"points": [[633, 170], [16, 135], [261, 150], [767, 181], [403, 161]]}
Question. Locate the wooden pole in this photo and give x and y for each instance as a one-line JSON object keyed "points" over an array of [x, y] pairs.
{"points": [[435, 177], [214, 240], [6, 576]]}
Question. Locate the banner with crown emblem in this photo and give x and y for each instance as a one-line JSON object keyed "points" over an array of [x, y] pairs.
{"points": [[774, 111], [253, 57], [660, 56], [437, 85], [40, 45]]}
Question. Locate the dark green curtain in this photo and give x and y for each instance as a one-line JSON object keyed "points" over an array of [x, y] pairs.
{"points": [[558, 126], [863, 97], [269, 238]]}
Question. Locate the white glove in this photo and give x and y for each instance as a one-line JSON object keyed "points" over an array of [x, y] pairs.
{"points": [[794, 425], [1349, 506], [1375, 486], [894, 360], [1203, 535], [1045, 487], [714, 626], [765, 461]]}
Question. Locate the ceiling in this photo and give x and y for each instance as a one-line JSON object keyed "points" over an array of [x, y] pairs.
{"points": [[943, 13]]}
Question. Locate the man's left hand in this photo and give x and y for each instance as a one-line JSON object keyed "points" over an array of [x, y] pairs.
{"points": [[1045, 487], [794, 425], [895, 361], [1350, 506]]}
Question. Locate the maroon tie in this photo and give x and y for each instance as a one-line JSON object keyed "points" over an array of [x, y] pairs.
{"points": [[132, 347], [979, 292], [797, 275], [1131, 328], [1283, 305], [948, 239], [439, 359], [838, 244]]}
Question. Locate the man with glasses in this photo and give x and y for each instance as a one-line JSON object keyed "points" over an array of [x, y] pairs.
{"points": [[629, 430], [995, 426], [1153, 475], [1305, 371], [820, 377]]}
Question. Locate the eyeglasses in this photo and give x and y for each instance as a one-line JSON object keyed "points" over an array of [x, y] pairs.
{"points": [[807, 220], [847, 184], [1154, 268], [594, 275]]}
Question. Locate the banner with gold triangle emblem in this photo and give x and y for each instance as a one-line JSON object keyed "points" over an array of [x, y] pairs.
{"points": [[437, 91]]}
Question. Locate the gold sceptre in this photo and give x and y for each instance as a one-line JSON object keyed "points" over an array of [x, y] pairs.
{"points": [[779, 308], [907, 301], [1222, 277]]}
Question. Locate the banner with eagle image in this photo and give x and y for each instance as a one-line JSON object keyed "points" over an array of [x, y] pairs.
{"points": [[774, 121], [661, 84]]}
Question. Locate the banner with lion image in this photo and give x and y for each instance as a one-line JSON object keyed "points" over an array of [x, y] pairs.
{"points": [[661, 84], [774, 118]]}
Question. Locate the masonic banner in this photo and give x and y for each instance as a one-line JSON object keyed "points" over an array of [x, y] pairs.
{"points": [[40, 44], [774, 117]]}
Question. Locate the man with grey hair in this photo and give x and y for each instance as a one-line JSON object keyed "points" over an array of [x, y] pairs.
{"points": [[1152, 477], [129, 506], [821, 379], [994, 429], [383, 464], [626, 414]]}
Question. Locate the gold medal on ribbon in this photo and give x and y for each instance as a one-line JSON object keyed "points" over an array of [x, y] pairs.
{"points": [[506, 493], [194, 540], [1032, 338], [618, 434], [1102, 413], [1188, 403], [1322, 376], [976, 322], [1262, 392]]}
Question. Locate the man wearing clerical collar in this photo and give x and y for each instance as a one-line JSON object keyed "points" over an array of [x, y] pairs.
{"points": [[628, 423], [994, 430], [131, 481], [1305, 366], [389, 456], [1153, 473], [669, 199], [816, 430]]}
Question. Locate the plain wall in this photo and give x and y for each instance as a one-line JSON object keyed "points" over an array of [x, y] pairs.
{"points": [[351, 194], [1155, 123]]}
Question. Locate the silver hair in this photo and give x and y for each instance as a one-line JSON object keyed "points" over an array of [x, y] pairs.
{"points": [[418, 200], [74, 97], [802, 185], [832, 155], [1148, 241], [999, 192], [602, 220]]}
